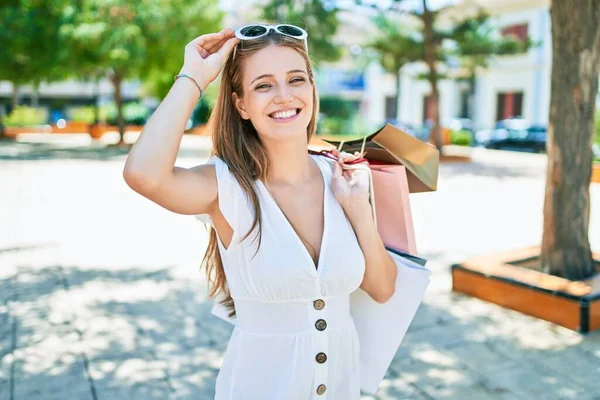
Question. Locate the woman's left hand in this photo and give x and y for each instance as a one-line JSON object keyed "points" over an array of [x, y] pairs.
{"points": [[350, 186]]}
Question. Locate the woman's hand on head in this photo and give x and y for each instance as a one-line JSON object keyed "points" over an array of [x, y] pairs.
{"points": [[206, 55]]}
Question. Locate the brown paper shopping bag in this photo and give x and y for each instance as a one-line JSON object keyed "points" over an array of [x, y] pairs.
{"points": [[400, 164], [392, 146]]}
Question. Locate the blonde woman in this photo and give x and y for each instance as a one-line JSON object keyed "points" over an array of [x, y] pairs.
{"points": [[292, 233]]}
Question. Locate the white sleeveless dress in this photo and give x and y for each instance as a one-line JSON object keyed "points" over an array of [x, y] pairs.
{"points": [[295, 336]]}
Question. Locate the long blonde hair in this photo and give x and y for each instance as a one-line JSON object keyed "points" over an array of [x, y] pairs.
{"points": [[237, 143]]}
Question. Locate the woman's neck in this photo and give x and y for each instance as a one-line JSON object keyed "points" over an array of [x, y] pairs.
{"points": [[290, 164]]}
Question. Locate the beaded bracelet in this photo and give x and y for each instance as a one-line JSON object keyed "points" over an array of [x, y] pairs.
{"points": [[187, 76]]}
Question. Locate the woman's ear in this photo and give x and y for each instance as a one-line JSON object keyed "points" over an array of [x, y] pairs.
{"points": [[239, 105]]}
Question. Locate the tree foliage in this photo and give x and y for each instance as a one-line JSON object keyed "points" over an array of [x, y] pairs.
{"points": [[473, 40], [318, 17], [30, 42], [477, 42], [135, 40]]}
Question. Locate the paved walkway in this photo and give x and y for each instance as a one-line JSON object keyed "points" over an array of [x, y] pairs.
{"points": [[101, 298]]}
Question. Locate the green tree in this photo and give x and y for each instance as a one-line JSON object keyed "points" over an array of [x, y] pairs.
{"points": [[467, 40], [135, 40], [30, 43], [477, 42], [319, 18], [574, 86], [394, 47], [432, 51]]}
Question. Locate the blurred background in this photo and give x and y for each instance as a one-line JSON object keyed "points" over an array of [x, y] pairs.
{"points": [[101, 296]]}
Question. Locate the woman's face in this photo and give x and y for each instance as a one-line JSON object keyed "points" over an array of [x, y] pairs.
{"points": [[278, 97]]}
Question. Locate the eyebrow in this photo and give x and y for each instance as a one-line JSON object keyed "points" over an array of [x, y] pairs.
{"points": [[271, 75]]}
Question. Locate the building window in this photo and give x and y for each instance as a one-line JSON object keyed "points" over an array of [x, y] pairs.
{"points": [[518, 31], [391, 105], [464, 104], [509, 105]]}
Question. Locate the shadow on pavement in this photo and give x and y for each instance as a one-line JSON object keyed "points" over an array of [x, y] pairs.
{"points": [[135, 333]]}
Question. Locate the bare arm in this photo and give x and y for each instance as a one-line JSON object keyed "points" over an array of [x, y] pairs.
{"points": [[351, 188], [150, 167], [381, 270]]}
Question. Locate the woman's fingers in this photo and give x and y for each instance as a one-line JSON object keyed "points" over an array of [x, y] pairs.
{"points": [[227, 48], [211, 42], [208, 39], [203, 52], [217, 45], [337, 170]]}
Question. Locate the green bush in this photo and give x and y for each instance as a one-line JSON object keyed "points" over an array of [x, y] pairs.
{"points": [[82, 114], [331, 125], [334, 106], [201, 112], [342, 126], [26, 116], [461, 138], [133, 113]]}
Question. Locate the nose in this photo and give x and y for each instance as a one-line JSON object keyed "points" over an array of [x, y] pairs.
{"points": [[284, 95]]}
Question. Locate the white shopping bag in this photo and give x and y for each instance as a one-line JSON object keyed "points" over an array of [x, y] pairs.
{"points": [[381, 327]]}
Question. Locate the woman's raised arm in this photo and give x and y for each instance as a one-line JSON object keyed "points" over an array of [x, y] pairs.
{"points": [[150, 166]]}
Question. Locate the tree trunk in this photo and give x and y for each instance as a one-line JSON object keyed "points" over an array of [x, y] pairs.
{"points": [[471, 95], [2, 129], [398, 94], [430, 60], [116, 80], [575, 68], [15, 95], [96, 97]]}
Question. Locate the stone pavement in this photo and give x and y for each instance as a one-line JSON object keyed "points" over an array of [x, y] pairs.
{"points": [[101, 297]]}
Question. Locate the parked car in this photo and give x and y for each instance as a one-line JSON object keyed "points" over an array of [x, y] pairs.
{"points": [[514, 135]]}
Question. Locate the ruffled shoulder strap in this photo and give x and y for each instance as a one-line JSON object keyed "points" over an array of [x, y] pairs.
{"points": [[228, 193]]}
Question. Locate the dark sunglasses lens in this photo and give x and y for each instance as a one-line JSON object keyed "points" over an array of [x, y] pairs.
{"points": [[290, 30], [253, 31]]}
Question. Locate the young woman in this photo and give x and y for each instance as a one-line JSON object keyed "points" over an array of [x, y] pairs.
{"points": [[292, 232]]}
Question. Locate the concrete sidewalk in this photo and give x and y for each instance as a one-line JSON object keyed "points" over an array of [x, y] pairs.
{"points": [[101, 297]]}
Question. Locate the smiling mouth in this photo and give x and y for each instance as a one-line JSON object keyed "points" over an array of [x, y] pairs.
{"points": [[287, 115]]}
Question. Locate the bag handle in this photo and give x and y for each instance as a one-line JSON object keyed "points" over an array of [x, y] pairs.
{"points": [[356, 165], [362, 147]]}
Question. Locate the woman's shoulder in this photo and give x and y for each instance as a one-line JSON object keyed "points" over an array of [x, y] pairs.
{"points": [[325, 161]]}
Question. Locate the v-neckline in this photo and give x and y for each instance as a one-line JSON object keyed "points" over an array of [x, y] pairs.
{"points": [[318, 267]]}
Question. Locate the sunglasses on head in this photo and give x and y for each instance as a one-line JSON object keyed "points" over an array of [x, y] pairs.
{"points": [[255, 31]]}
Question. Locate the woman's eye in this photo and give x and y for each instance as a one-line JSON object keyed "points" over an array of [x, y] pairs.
{"points": [[266, 85]]}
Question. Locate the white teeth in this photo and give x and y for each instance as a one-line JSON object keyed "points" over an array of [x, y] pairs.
{"points": [[284, 114]]}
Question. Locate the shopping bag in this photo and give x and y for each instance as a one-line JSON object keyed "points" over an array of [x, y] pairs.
{"points": [[390, 145], [382, 327], [394, 215], [390, 192]]}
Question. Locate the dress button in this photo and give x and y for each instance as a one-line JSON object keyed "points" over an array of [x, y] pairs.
{"points": [[321, 389], [319, 304], [321, 324], [321, 358]]}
